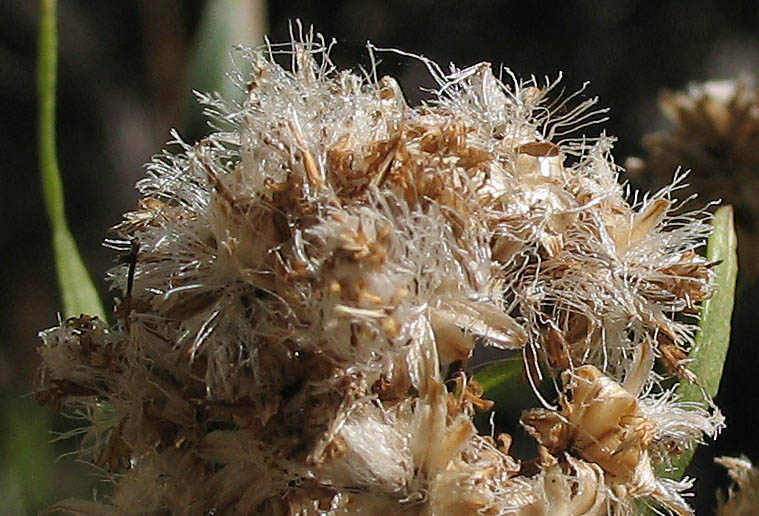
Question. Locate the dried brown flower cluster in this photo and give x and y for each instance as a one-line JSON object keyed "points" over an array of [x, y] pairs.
{"points": [[715, 132], [299, 287]]}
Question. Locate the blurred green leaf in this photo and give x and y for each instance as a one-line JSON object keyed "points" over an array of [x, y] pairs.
{"points": [[495, 375], [223, 24], [77, 290], [707, 357], [27, 456]]}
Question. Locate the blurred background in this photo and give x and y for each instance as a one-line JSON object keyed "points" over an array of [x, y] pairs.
{"points": [[125, 73]]}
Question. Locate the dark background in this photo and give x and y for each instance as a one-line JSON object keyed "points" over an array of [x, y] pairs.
{"points": [[122, 78]]}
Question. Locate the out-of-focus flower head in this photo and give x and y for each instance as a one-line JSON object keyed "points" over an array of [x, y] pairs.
{"points": [[743, 498], [714, 131]]}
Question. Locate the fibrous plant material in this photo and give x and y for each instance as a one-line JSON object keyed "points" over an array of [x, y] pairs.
{"points": [[300, 290]]}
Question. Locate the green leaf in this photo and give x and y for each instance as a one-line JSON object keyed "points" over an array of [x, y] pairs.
{"points": [[707, 357], [26, 456], [77, 290], [496, 375], [223, 24]]}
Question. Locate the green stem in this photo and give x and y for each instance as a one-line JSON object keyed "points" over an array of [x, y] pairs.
{"points": [[47, 65], [77, 290]]}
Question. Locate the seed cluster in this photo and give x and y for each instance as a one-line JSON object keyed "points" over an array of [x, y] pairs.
{"points": [[301, 288]]}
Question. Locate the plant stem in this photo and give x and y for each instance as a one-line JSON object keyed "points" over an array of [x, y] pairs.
{"points": [[77, 290]]}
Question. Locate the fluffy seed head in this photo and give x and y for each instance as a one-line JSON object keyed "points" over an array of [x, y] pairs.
{"points": [[298, 285]]}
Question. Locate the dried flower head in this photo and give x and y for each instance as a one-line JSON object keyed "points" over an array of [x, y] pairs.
{"points": [[297, 286]]}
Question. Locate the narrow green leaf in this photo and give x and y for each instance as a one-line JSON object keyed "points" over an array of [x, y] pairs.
{"points": [[498, 374], [707, 357], [77, 290], [223, 24], [713, 338]]}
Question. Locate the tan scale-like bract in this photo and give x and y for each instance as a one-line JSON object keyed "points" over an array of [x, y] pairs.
{"points": [[300, 289]]}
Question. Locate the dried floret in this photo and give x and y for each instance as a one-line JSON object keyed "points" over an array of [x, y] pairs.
{"points": [[604, 424]]}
